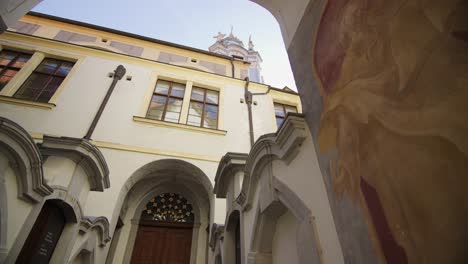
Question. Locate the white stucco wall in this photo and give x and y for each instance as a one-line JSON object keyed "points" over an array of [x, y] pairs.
{"points": [[85, 89], [17, 210], [304, 178], [58, 171], [284, 248], [126, 144]]}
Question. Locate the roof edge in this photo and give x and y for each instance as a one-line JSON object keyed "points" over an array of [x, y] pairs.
{"points": [[127, 34]]}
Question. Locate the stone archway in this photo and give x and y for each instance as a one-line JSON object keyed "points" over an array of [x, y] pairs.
{"points": [[44, 235], [49, 230], [297, 223], [165, 230], [156, 178]]}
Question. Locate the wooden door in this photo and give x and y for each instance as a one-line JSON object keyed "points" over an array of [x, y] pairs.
{"points": [[44, 235], [163, 243]]}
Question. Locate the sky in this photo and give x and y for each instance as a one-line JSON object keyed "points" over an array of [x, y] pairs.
{"points": [[191, 23]]}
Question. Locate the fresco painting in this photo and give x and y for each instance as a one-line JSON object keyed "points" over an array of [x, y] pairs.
{"points": [[394, 85]]}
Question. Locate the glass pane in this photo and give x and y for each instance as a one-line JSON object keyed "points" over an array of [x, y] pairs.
{"points": [[194, 120], [21, 60], [279, 121], [4, 81], [195, 109], [172, 117], [290, 109], [156, 107], [159, 101], [211, 111], [162, 87], [195, 112], [279, 110], [212, 97], [168, 207], [211, 116], [174, 105], [178, 90], [154, 114], [47, 93], [6, 57], [210, 123], [198, 94], [48, 66], [32, 87], [65, 68], [6, 76]]}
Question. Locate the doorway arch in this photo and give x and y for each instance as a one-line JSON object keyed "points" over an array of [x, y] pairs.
{"points": [[165, 230], [51, 232], [151, 180]]}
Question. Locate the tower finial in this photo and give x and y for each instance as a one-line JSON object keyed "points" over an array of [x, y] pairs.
{"points": [[251, 45], [219, 37], [231, 31]]}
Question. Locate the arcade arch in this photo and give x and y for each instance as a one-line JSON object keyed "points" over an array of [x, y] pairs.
{"points": [[167, 176]]}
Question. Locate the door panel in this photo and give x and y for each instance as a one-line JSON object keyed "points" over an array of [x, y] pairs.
{"points": [[162, 245], [44, 235]]}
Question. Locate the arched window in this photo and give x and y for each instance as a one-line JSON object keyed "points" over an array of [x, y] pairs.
{"points": [[168, 207]]}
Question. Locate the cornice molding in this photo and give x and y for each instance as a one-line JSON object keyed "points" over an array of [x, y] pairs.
{"points": [[25, 159], [101, 224], [283, 145], [84, 153], [230, 164]]}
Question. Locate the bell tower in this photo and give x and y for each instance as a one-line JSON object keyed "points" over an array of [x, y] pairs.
{"points": [[233, 46]]}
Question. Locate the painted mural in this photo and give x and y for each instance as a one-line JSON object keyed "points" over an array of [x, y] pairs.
{"points": [[394, 84]]}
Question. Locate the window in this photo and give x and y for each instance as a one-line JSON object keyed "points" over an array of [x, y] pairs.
{"points": [[44, 81], [166, 102], [10, 64], [168, 207], [203, 110], [280, 112]]}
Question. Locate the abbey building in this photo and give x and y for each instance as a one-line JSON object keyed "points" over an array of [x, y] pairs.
{"points": [[118, 148]]}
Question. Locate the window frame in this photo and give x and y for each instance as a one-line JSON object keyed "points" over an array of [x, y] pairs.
{"points": [[12, 62], [205, 92], [168, 96], [284, 111], [37, 55], [49, 76]]}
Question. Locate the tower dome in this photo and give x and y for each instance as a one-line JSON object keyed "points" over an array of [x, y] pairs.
{"points": [[232, 46]]}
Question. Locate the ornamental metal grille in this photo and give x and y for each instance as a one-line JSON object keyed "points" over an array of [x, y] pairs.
{"points": [[168, 207]]}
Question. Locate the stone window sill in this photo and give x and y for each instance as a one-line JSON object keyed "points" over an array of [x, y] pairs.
{"points": [[21, 102], [179, 126]]}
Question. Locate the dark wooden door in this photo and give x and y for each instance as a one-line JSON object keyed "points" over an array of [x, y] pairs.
{"points": [[44, 235], [162, 243]]}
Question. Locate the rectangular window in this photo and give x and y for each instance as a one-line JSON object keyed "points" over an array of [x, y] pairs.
{"points": [[44, 81], [203, 110], [166, 102], [280, 112], [11, 63]]}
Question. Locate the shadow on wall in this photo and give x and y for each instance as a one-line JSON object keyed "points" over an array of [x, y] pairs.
{"points": [[394, 88]]}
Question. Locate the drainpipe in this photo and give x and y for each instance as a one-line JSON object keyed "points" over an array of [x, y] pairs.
{"points": [[248, 102], [232, 66], [119, 72], [265, 93]]}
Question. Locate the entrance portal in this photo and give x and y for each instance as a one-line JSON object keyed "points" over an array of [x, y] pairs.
{"points": [[165, 231], [44, 235]]}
